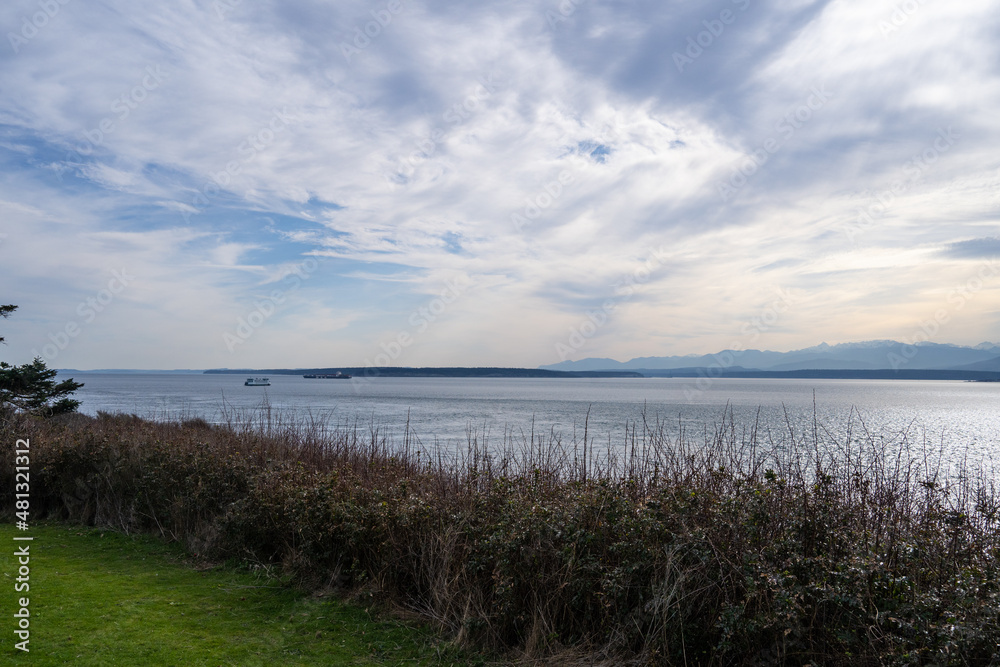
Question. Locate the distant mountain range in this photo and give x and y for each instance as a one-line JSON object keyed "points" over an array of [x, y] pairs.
{"points": [[868, 355], [870, 359]]}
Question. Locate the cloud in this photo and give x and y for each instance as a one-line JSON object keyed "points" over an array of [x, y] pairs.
{"points": [[535, 151]]}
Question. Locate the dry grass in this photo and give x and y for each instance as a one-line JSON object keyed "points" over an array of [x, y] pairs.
{"points": [[744, 548]]}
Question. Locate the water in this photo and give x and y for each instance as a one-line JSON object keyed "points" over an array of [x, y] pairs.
{"points": [[959, 417]]}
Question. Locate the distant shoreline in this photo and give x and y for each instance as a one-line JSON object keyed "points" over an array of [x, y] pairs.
{"points": [[828, 374], [700, 372], [456, 372], [485, 373]]}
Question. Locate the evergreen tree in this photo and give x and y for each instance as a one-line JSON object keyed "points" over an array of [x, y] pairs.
{"points": [[32, 387], [5, 312]]}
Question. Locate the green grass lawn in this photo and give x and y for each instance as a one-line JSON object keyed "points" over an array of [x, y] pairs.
{"points": [[101, 598]]}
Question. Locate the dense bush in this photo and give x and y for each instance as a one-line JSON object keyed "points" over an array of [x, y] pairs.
{"points": [[733, 552]]}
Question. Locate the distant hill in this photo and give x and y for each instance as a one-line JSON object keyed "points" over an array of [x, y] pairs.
{"points": [[867, 355], [829, 374], [992, 365], [823, 364]]}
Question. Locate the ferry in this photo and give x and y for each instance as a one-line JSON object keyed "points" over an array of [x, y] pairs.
{"points": [[257, 382], [338, 376]]}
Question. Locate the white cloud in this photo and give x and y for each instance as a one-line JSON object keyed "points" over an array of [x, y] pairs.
{"points": [[214, 154]]}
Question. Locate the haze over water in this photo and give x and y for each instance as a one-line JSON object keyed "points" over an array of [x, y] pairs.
{"points": [[958, 417]]}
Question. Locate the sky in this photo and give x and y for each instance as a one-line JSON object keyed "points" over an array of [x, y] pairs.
{"points": [[206, 184]]}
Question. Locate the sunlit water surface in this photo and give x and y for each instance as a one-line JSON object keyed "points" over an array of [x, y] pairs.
{"points": [[958, 418]]}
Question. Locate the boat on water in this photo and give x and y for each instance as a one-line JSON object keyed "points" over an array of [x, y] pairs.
{"points": [[337, 376], [257, 382]]}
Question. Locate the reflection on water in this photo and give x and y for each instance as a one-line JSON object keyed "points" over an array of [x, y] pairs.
{"points": [[955, 416]]}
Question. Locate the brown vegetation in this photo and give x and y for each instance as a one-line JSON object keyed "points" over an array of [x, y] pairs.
{"points": [[743, 549]]}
